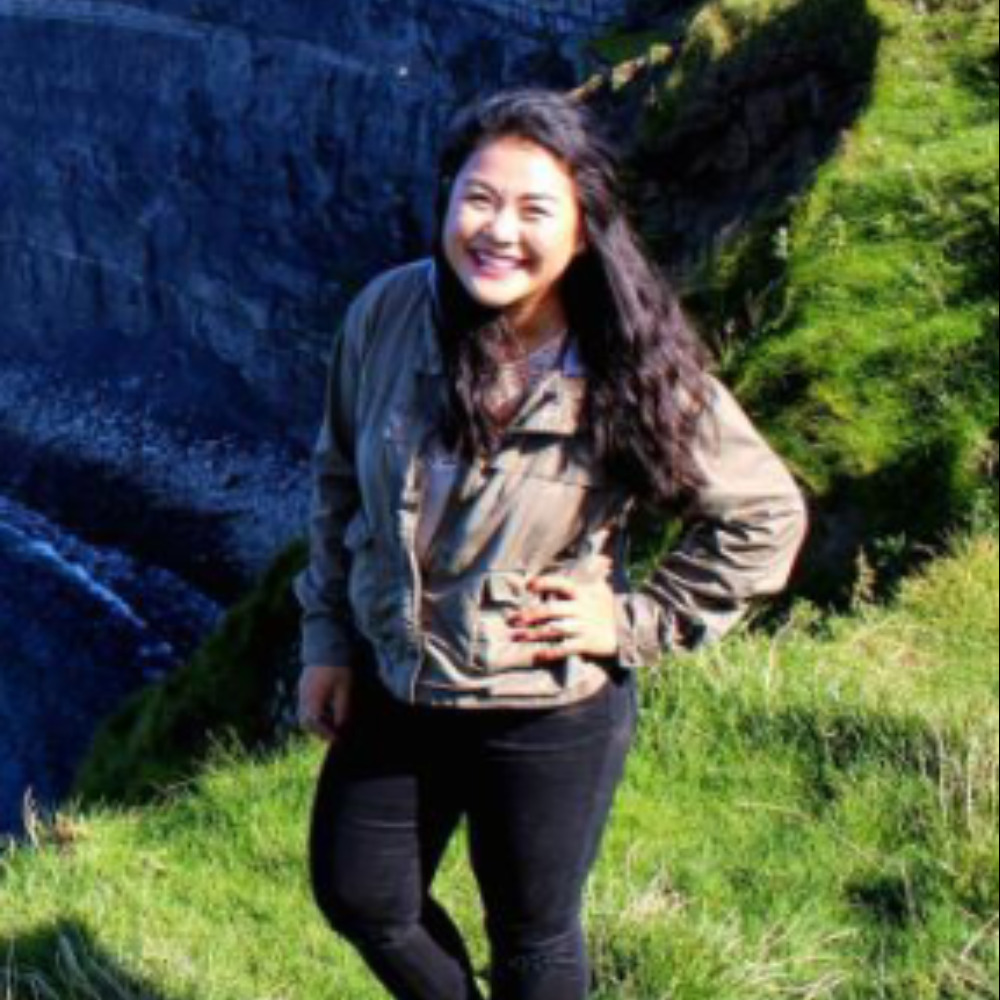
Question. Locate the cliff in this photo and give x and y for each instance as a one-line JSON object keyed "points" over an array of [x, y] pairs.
{"points": [[189, 189]]}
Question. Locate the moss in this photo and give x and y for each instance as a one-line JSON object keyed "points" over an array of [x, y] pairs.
{"points": [[231, 690], [857, 316], [624, 46], [728, 39]]}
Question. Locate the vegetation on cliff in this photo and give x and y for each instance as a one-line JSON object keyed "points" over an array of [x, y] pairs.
{"points": [[236, 686], [857, 316]]}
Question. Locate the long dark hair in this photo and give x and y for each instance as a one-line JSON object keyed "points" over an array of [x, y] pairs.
{"points": [[646, 385]]}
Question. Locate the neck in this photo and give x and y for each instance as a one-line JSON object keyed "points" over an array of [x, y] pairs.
{"points": [[534, 329]]}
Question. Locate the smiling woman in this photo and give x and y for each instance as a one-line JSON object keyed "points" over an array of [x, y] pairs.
{"points": [[470, 635], [513, 226]]}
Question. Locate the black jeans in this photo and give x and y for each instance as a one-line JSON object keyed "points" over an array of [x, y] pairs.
{"points": [[535, 787]]}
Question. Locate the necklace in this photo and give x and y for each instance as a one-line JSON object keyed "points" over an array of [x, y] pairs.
{"points": [[518, 373]]}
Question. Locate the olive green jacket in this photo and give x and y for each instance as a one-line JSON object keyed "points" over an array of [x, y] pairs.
{"points": [[540, 503]]}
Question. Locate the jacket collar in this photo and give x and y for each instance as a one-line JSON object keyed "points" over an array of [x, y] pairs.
{"points": [[554, 407]]}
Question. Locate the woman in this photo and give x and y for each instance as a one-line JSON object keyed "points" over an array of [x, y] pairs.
{"points": [[470, 638]]}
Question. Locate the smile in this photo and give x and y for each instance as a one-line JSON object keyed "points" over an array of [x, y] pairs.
{"points": [[494, 264]]}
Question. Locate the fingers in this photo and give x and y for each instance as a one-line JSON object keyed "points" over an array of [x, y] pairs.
{"points": [[553, 621], [549, 627], [543, 613], [341, 708], [320, 726], [324, 702], [561, 586], [579, 620], [319, 719], [572, 647], [556, 632]]}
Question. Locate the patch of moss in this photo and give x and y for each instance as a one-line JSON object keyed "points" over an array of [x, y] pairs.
{"points": [[233, 689], [618, 47], [857, 317], [728, 38]]}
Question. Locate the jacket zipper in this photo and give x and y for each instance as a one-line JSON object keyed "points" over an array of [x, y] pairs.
{"points": [[415, 485]]}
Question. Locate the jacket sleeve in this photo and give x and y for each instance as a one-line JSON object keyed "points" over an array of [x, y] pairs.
{"points": [[328, 633], [742, 532]]}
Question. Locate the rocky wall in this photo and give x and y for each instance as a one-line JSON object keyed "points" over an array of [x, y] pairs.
{"points": [[190, 189]]}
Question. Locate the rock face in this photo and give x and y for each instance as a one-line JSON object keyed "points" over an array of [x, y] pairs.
{"points": [[189, 189], [189, 192]]}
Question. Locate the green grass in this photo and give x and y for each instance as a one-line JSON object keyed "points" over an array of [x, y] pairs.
{"points": [[827, 814], [807, 814], [617, 47], [862, 313]]}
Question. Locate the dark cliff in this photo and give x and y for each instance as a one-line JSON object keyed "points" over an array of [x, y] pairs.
{"points": [[189, 191]]}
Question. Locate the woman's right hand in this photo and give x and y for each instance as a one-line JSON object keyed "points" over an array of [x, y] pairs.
{"points": [[325, 700]]}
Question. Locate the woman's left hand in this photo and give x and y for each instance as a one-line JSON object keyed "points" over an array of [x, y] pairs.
{"points": [[574, 616]]}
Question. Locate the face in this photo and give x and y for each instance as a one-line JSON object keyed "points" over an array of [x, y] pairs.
{"points": [[512, 227]]}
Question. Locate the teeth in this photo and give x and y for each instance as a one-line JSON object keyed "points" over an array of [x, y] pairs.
{"points": [[489, 258]]}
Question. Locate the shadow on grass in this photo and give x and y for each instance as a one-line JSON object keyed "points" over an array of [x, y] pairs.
{"points": [[743, 131], [845, 739], [64, 961]]}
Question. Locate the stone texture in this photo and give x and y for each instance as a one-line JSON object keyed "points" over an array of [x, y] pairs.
{"points": [[190, 189]]}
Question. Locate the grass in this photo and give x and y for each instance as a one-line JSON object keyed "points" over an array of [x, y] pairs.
{"points": [[807, 814], [862, 313], [828, 814]]}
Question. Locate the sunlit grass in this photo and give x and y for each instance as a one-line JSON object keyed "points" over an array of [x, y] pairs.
{"points": [[807, 814]]}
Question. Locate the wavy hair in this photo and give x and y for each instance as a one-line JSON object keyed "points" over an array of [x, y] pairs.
{"points": [[646, 385]]}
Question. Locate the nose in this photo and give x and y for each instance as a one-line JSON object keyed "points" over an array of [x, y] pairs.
{"points": [[502, 226]]}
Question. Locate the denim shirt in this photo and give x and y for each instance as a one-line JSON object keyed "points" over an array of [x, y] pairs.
{"points": [[540, 503]]}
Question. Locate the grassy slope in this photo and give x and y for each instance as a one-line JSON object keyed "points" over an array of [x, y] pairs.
{"points": [[808, 815], [869, 346], [890, 325]]}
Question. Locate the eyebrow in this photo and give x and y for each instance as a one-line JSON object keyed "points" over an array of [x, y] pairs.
{"points": [[531, 196]]}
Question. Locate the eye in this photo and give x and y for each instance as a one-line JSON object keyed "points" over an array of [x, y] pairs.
{"points": [[477, 198], [535, 212]]}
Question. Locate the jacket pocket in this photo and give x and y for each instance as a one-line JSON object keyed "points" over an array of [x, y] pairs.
{"points": [[493, 648]]}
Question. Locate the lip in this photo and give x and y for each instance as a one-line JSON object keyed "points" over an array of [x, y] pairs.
{"points": [[488, 262]]}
